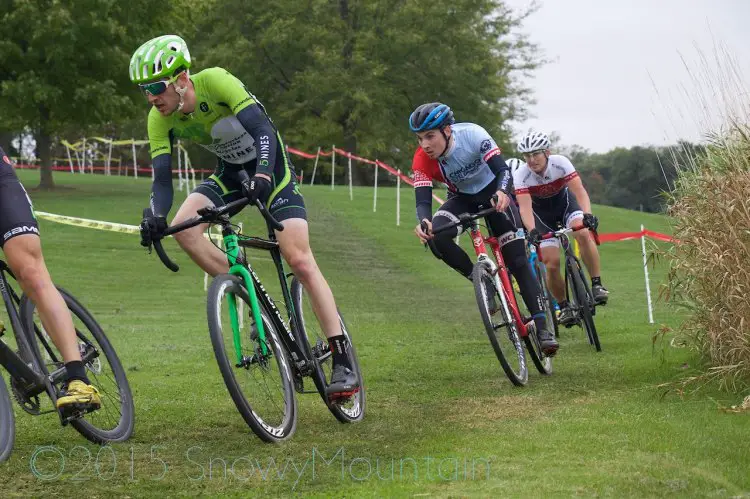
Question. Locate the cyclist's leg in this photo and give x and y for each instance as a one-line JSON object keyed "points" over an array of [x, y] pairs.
{"points": [[24, 255], [23, 250], [217, 190], [513, 247], [589, 251], [546, 220], [550, 253], [451, 253], [288, 207]]}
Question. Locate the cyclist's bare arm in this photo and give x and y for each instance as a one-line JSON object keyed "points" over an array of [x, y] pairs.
{"points": [[527, 212], [579, 191]]}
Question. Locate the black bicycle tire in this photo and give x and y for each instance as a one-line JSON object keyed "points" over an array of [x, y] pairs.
{"points": [[586, 304], [318, 374], [541, 272], [227, 368], [518, 379], [124, 429], [532, 340], [7, 423]]}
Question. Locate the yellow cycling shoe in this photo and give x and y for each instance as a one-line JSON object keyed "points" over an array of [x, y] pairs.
{"points": [[79, 395]]}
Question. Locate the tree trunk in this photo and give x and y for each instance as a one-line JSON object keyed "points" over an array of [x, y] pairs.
{"points": [[349, 126], [44, 150]]}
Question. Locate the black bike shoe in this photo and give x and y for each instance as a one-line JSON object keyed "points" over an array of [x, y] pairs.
{"points": [[548, 342], [601, 295], [567, 317], [344, 383]]}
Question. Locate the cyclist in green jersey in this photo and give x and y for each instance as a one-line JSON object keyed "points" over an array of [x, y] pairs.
{"points": [[214, 109]]}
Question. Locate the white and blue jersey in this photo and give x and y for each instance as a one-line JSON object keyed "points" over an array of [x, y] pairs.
{"points": [[465, 163]]}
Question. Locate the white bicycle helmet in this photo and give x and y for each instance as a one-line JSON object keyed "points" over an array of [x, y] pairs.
{"points": [[533, 141], [514, 164]]}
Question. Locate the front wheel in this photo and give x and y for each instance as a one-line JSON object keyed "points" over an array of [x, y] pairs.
{"points": [[7, 423], [583, 301], [259, 383], [501, 326], [313, 340], [114, 420]]}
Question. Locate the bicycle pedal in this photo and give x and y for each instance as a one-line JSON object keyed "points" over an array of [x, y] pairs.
{"points": [[342, 396], [77, 411]]}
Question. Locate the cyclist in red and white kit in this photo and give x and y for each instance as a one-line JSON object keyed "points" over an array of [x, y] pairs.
{"points": [[550, 193]]}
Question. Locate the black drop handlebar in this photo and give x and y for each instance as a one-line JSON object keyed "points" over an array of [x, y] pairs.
{"points": [[210, 214]]}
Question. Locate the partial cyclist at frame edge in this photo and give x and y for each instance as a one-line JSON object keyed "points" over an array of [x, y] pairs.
{"points": [[22, 246]]}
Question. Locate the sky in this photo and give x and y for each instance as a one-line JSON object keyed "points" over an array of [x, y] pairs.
{"points": [[617, 74]]}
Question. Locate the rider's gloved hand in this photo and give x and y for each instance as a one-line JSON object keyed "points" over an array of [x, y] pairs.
{"points": [[590, 221], [256, 188], [534, 236], [152, 227]]}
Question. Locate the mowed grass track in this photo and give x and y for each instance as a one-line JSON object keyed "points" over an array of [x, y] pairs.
{"points": [[442, 419]]}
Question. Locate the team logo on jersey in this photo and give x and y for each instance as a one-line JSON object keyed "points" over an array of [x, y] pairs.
{"points": [[204, 107], [485, 146]]}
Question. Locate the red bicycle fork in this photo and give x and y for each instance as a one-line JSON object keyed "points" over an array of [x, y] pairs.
{"points": [[478, 241]]}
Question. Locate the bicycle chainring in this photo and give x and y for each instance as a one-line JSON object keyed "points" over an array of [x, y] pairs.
{"points": [[28, 404]]}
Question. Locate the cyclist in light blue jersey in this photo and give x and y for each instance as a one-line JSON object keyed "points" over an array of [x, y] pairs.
{"points": [[466, 158]]}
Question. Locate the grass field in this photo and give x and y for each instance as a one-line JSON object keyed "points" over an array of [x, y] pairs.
{"points": [[442, 420]]}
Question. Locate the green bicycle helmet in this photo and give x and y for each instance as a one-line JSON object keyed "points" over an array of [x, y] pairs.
{"points": [[158, 58]]}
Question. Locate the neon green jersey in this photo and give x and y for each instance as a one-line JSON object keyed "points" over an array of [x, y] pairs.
{"points": [[219, 96]]}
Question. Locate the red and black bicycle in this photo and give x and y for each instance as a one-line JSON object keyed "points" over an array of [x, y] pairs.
{"points": [[507, 329]]}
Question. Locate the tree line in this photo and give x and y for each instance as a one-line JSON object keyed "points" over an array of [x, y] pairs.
{"points": [[343, 72]]}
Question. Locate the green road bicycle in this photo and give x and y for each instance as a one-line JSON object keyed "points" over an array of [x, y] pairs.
{"points": [[263, 357]]}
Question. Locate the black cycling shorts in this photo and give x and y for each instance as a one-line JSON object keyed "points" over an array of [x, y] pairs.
{"points": [[16, 213], [506, 226], [562, 213], [285, 201]]}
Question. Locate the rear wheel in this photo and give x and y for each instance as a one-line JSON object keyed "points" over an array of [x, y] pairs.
{"points": [[7, 423], [501, 328], [583, 301], [312, 339], [114, 420], [260, 384]]}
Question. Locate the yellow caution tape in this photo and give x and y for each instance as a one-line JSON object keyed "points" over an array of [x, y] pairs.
{"points": [[85, 222], [101, 225]]}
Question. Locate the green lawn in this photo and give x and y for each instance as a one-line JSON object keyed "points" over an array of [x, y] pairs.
{"points": [[442, 419]]}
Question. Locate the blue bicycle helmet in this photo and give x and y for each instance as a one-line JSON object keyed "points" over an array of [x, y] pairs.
{"points": [[431, 116]]}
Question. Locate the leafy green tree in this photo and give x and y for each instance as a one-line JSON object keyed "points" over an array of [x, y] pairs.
{"points": [[63, 64], [633, 178], [349, 72]]}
